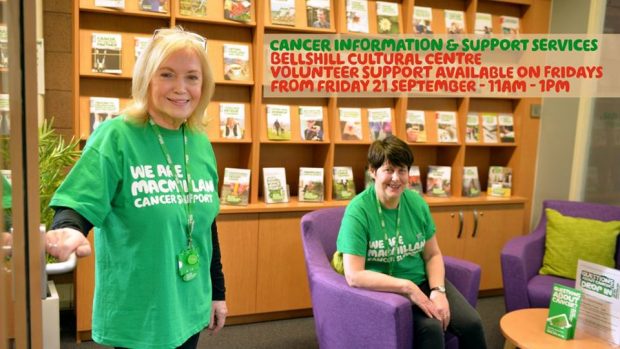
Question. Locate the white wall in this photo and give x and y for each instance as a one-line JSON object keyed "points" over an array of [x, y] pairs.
{"points": [[560, 118]]}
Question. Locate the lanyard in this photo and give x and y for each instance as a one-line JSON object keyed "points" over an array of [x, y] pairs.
{"points": [[186, 194], [385, 234]]}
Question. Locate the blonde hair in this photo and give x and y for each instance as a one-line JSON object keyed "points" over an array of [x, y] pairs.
{"points": [[165, 42]]}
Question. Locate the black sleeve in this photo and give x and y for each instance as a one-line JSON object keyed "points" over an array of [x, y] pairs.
{"points": [[217, 275], [68, 218], [65, 217]]}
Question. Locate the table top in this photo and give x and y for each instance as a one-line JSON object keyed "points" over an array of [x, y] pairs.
{"points": [[525, 328]]}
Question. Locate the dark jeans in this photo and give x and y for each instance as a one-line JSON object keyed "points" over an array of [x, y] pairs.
{"points": [[464, 323], [191, 343]]}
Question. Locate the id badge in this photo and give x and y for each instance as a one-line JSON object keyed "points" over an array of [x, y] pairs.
{"points": [[188, 263]]}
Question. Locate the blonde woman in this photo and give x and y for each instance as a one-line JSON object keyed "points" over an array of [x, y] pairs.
{"points": [[147, 181]]}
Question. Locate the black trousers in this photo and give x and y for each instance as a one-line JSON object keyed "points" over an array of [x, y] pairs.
{"points": [[191, 343], [464, 323]]}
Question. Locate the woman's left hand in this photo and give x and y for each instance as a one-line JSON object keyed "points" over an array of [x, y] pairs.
{"points": [[441, 303], [219, 311]]}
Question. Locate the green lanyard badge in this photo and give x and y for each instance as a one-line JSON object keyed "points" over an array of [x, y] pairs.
{"points": [[188, 260], [392, 252]]}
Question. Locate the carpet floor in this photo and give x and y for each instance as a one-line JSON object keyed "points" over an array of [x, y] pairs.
{"points": [[287, 334]]}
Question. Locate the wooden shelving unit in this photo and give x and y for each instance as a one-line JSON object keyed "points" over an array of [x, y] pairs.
{"points": [[261, 247]]}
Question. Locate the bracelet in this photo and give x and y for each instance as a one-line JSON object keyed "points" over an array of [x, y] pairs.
{"points": [[441, 289]]}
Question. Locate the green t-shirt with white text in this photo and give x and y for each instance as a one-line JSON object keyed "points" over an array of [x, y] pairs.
{"points": [[124, 186], [361, 234]]}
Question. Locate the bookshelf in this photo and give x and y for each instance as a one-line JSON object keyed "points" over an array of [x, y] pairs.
{"points": [[268, 236]]}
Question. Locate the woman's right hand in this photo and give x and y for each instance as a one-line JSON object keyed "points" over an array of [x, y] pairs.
{"points": [[60, 243], [417, 297], [6, 240]]}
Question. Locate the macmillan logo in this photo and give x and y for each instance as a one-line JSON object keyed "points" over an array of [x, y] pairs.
{"points": [[384, 251], [157, 185]]}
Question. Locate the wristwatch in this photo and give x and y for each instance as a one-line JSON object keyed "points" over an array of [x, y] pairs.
{"points": [[439, 289]]}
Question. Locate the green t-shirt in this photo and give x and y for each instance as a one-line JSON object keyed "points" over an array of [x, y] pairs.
{"points": [[124, 186], [361, 234], [6, 193], [7, 203]]}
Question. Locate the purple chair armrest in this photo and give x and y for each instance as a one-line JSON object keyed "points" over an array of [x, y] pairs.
{"points": [[465, 276], [349, 317], [521, 259]]}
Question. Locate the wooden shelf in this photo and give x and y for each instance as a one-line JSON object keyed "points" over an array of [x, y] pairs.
{"points": [[231, 141], [295, 142], [294, 205], [217, 21], [514, 2], [491, 145], [131, 9], [279, 29], [234, 83], [267, 235], [480, 200], [433, 144]]}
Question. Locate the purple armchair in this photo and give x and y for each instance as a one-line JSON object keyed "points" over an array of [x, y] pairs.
{"points": [[522, 257], [347, 317]]}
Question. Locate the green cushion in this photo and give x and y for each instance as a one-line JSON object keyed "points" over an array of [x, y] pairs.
{"points": [[337, 262], [569, 239]]}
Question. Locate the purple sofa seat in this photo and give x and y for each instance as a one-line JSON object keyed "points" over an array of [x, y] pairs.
{"points": [[522, 256], [347, 317]]}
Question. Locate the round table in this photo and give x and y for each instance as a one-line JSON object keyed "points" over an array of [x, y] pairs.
{"points": [[525, 328]]}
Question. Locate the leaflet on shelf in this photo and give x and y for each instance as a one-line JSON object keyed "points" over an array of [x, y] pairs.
{"points": [[236, 187], [5, 116], [4, 47], [455, 21], [140, 45], [415, 126], [489, 128], [275, 186], [484, 24], [116, 4], [102, 109], [278, 122], [506, 128], [160, 6], [232, 120], [317, 13], [472, 128], [379, 123], [311, 123], [446, 127], [311, 186], [471, 182], [422, 20], [106, 53], [500, 181], [350, 124], [438, 181], [236, 62], [238, 10], [368, 180], [509, 24], [342, 182], [415, 181], [193, 8], [387, 18], [283, 12], [357, 16]]}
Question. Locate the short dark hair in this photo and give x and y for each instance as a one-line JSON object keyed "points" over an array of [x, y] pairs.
{"points": [[392, 149]]}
